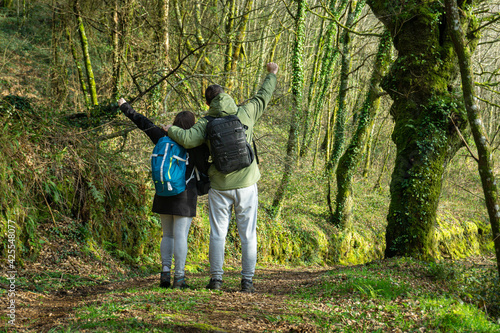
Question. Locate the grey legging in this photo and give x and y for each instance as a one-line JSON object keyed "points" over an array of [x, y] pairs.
{"points": [[174, 241]]}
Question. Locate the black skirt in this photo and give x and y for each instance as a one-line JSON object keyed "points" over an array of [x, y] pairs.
{"points": [[182, 204]]}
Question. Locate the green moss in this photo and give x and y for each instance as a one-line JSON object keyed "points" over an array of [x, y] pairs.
{"points": [[357, 247], [455, 239], [92, 248], [295, 242]]}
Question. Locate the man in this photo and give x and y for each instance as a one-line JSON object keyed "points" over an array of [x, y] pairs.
{"points": [[237, 189]]}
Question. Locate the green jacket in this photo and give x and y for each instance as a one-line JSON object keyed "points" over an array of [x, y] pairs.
{"points": [[248, 113]]}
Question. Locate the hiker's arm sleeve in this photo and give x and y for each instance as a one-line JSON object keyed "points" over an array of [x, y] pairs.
{"points": [[256, 106], [189, 138], [143, 123]]}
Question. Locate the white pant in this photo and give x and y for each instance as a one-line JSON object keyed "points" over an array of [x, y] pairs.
{"points": [[174, 241], [245, 202]]}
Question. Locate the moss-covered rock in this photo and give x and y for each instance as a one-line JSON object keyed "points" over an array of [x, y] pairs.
{"points": [[456, 239], [358, 247]]}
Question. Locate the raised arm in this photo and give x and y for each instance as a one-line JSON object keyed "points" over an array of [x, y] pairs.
{"points": [[142, 122], [256, 105]]}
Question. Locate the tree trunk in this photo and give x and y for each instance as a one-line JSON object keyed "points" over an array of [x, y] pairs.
{"points": [[57, 86], [349, 162], [338, 142], [367, 163], [272, 51], [311, 117], [86, 55], [420, 84], [7, 3], [165, 42], [382, 169], [199, 37], [328, 60], [116, 52], [238, 46], [297, 87], [229, 40], [262, 56], [185, 83], [485, 164], [81, 76]]}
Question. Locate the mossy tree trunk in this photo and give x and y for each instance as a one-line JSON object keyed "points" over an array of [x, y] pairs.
{"points": [[349, 162], [311, 116], [297, 88], [238, 43], [340, 118], [262, 54], [81, 75], [228, 54], [485, 165], [205, 62], [328, 60], [272, 51], [164, 8], [185, 39], [86, 55], [7, 3], [367, 163], [115, 37], [58, 87], [425, 112]]}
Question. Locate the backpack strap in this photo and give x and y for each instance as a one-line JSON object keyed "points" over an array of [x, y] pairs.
{"points": [[195, 169], [209, 119], [192, 175], [255, 151]]}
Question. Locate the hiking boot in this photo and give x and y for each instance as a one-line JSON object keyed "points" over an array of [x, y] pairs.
{"points": [[247, 286], [165, 280], [214, 284], [180, 283]]}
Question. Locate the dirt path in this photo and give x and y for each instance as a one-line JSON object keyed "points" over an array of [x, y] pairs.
{"points": [[38, 312], [41, 313], [281, 303]]}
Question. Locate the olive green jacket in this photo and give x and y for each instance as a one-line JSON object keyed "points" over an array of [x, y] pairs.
{"points": [[249, 113]]}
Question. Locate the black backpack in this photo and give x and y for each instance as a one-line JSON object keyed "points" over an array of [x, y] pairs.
{"points": [[228, 143]]}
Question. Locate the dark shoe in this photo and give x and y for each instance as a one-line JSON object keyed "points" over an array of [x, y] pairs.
{"points": [[180, 283], [165, 280], [214, 284], [247, 286]]}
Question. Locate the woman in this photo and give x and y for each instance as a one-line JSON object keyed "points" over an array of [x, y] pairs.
{"points": [[176, 212]]}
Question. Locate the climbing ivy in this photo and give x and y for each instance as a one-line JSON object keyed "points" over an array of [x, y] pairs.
{"points": [[297, 88], [349, 162], [427, 119]]}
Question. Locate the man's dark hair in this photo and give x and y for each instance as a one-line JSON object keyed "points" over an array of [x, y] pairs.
{"points": [[212, 91]]}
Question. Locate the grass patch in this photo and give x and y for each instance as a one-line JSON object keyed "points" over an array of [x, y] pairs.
{"points": [[384, 297], [142, 310]]}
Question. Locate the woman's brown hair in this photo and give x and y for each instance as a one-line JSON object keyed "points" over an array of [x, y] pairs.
{"points": [[185, 119]]}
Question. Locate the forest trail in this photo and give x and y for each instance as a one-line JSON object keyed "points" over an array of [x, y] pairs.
{"points": [[227, 311], [390, 295]]}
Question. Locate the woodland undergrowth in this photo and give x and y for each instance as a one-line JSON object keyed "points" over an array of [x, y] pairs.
{"points": [[72, 192]]}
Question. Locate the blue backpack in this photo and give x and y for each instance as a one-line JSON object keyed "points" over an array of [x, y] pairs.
{"points": [[168, 163]]}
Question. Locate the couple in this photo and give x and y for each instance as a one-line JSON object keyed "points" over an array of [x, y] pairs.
{"points": [[237, 189]]}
